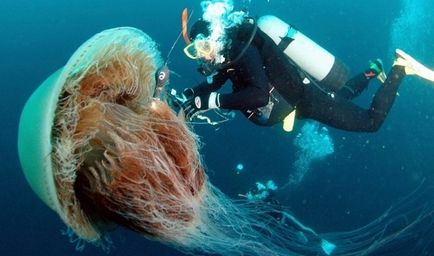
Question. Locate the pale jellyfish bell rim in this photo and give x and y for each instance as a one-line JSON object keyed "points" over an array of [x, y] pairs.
{"points": [[37, 118]]}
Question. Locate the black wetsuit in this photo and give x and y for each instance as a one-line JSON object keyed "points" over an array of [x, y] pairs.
{"points": [[263, 66]]}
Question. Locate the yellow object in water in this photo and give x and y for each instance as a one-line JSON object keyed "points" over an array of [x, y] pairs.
{"points": [[288, 122]]}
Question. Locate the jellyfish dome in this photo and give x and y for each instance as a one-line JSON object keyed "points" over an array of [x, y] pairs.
{"points": [[93, 133]]}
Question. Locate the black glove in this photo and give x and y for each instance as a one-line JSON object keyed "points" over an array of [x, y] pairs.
{"points": [[200, 103]]}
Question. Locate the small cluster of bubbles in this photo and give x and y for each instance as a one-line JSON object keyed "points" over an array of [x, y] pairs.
{"points": [[262, 191], [239, 168], [313, 143]]}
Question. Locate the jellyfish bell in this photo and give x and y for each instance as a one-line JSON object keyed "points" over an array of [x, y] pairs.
{"points": [[35, 124]]}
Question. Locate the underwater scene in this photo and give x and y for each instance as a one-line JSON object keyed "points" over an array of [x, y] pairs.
{"points": [[115, 144]]}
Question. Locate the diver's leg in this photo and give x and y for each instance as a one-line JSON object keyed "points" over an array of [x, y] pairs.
{"points": [[343, 114], [336, 112], [404, 65], [356, 85], [386, 94]]}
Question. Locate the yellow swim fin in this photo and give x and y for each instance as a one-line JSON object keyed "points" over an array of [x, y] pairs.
{"points": [[412, 66], [288, 122]]}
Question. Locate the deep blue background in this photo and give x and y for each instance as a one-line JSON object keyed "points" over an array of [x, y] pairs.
{"points": [[359, 181]]}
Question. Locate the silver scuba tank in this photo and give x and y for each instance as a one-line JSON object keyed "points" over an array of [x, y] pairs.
{"points": [[305, 53]]}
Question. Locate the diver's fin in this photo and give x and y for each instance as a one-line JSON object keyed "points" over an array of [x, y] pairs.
{"points": [[412, 66], [378, 67], [327, 247]]}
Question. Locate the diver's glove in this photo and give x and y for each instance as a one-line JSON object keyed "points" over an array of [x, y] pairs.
{"points": [[200, 103]]}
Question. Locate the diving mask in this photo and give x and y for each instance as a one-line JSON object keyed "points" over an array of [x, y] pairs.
{"points": [[201, 48]]}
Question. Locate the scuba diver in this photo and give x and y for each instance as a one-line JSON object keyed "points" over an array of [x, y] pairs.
{"points": [[264, 194], [278, 74]]}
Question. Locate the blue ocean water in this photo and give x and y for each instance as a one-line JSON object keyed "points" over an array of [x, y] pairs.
{"points": [[345, 190]]}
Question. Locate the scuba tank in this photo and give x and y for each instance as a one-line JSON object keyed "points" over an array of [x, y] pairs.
{"points": [[314, 60]]}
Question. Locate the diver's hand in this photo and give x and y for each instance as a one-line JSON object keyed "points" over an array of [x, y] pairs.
{"points": [[200, 103]]}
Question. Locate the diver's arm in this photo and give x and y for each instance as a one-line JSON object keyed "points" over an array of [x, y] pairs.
{"points": [[254, 92]]}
